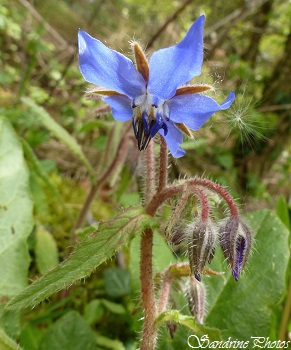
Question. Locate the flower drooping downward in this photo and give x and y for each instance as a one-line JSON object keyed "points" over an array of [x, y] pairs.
{"points": [[155, 95]]}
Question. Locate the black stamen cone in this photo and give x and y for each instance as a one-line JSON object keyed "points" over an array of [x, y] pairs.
{"points": [[142, 133]]}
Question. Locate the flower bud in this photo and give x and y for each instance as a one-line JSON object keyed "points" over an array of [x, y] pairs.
{"points": [[177, 237], [235, 241], [196, 299], [201, 245]]}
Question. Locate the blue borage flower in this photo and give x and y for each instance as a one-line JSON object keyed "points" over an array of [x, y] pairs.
{"points": [[154, 94]]}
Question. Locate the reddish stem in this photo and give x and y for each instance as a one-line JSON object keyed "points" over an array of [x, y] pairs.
{"points": [[204, 203], [169, 192], [149, 333], [165, 292], [150, 172]]}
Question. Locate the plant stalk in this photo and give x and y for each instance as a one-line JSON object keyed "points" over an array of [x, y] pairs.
{"points": [[149, 334]]}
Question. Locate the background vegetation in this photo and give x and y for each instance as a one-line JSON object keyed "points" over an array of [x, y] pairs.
{"points": [[247, 49]]}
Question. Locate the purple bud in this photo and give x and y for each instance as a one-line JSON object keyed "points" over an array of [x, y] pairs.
{"points": [[196, 299], [201, 245], [236, 241]]}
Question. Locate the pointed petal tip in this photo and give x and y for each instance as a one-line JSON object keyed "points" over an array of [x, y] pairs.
{"points": [[228, 101], [201, 19], [235, 274]]}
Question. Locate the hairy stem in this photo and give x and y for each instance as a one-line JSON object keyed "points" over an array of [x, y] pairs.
{"points": [[176, 214], [163, 176], [203, 202], [165, 292], [150, 173], [169, 192], [149, 333]]}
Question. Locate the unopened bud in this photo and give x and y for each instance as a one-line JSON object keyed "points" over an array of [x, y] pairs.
{"points": [[196, 299], [178, 236], [235, 241], [201, 245]]}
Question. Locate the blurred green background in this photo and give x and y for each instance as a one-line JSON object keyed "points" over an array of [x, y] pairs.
{"points": [[247, 148]]}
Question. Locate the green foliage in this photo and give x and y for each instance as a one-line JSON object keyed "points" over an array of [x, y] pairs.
{"points": [[6, 343], [14, 198], [117, 282], [188, 321], [41, 95], [30, 337], [59, 132], [69, 332], [94, 311], [16, 222], [93, 251], [46, 251], [283, 212]]}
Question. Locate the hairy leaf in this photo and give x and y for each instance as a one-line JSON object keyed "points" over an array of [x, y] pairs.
{"points": [[6, 343], [93, 251], [16, 219], [188, 321]]}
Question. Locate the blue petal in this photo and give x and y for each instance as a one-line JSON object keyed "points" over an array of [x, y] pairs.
{"points": [[121, 107], [174, 138], [194, 110], [176, 65], [110, 69]]}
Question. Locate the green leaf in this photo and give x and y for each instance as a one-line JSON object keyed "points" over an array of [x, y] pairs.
{"points": [[283, 212], [94, 124], [94, 311], [59, 132], [6, 343], [117, 282], [115, 308], [30, 337], [46, 251], [225, 160], [189, 322], [16, 220], [69, 332], [10, 321], [243, 309], [93, 251], [37, 167], [109, 343], [186, 327]]}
